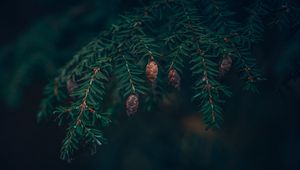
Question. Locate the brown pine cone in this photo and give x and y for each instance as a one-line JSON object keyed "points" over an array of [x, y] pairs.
{"points": [[71, 86], [132, 104], [151, 71], [225, 65], [174, 78]]}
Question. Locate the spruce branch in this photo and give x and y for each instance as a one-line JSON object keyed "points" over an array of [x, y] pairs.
{"points": [[246, 65], [207, 88], [135, 45], [90, 95], [254, 27], [219, 17], [55, 94], [86, 56]]}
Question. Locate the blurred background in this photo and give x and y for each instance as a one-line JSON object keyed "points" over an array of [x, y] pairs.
{"points": [[261, 131]]}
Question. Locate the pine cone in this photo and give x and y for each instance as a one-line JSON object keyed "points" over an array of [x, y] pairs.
{"points": [[174, 78], [71, 86], [132, 104], [225, 65], [151, 71]]}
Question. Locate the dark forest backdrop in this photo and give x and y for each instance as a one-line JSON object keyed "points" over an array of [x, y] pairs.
{"points": [[37, 37]]}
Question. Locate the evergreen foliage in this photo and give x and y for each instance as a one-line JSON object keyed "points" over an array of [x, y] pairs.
{"points": [[176, 34]]}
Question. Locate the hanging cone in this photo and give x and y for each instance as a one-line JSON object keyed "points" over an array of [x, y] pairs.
{"points": [[174, 78], [132, 104], [152, 71], [71, 86], [225, 65]]}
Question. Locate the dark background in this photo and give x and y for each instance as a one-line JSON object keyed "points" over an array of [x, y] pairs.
{"points": [[260, 131]]}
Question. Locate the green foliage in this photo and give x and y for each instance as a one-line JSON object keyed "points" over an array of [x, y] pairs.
{"points": [[177, 34], [254, 26], [219, 18], [54, 94], [85, 114]]}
